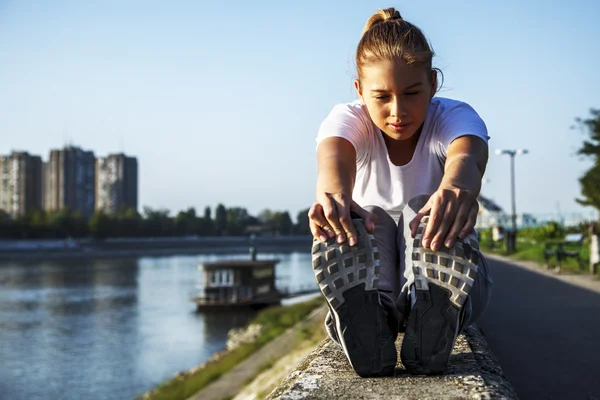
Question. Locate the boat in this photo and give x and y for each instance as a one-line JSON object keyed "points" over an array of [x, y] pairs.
{"points": [[238, 283]]}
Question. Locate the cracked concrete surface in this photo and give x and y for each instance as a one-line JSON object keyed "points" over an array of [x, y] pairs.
{"points": [[473, 373]]}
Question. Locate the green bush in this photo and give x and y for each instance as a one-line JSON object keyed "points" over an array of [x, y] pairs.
{"points": [[548, 231]]}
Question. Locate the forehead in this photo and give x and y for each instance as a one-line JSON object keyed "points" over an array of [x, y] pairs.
{"points": [[391, 74]]}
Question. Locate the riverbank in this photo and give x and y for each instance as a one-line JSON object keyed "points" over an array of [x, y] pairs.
{"points": [[274, 323], [152, 247]]}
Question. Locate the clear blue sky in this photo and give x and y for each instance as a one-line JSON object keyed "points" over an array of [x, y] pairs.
{"points": [[221, 100]]}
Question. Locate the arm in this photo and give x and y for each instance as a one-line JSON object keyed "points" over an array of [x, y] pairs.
{"points": [[453, 207], [340, 140], [330, 215], [465, 164], [337, 166]]}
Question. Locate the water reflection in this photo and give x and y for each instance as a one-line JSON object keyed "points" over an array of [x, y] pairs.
{"points": [[91, 329]]}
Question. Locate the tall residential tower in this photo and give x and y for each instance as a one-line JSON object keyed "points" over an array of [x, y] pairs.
{"points": [[116, 183], [69, 177], [20, 183]]}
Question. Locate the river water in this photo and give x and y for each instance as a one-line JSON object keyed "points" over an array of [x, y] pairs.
{"points": [[111, 328]]}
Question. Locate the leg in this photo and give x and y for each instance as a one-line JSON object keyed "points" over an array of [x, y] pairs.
{"points": [[445, 290], [358, 284], [386, 232]]}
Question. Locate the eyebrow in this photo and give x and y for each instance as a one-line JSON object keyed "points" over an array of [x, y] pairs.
{"points": [[406, 88]]}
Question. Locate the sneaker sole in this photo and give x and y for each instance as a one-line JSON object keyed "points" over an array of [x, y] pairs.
{"points": [[443, 281], [348, 277]]}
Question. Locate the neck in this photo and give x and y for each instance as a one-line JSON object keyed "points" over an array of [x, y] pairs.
{"points": [[401, 151]]}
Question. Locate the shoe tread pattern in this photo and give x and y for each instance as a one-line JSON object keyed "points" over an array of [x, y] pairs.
{"points": [[340, 267], [453, 268]]}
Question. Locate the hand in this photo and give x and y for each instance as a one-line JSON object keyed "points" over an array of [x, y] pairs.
{"points": [[329, 217], [452, 213]]}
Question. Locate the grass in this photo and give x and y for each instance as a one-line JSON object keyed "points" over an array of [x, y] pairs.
{"points": [[275, 320], [308, 336], [530, 250]]}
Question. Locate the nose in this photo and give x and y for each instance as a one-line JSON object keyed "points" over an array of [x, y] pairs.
{"points": [[397, 108]]}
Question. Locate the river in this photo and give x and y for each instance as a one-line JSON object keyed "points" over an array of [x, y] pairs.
{"points": [[111, 328]]}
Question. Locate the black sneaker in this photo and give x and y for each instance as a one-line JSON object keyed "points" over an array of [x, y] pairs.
{"points": [[348, 277], [443, 280]]}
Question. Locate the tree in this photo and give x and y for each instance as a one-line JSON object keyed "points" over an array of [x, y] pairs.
{"points": [[590, 181], [265, 217], [301, 227], [6, 225], [186, 222], [237, 221], [66, 223], [157, 222], [100, 225], [220, 220], [205, 224], [127, 223]]}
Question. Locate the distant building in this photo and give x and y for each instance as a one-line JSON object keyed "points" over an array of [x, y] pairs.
{"points": [[69, 177], [20, 183], [491, 214], [116, 183], [526, 220]]}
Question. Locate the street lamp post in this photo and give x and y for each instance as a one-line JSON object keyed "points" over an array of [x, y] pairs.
{"points": [[511, 244]]}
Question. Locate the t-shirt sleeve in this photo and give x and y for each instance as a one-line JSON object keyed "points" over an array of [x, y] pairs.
{"points": [[347, 121], [460, 120]]}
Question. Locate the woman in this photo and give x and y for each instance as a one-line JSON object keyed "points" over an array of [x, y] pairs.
{"points": [[396, 205]]}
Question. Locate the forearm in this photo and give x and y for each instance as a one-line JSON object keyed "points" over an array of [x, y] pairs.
{"points": [[464, 171], [336, 176]]}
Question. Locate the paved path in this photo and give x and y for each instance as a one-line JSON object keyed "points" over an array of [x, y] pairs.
{"points": [[545, 332]]}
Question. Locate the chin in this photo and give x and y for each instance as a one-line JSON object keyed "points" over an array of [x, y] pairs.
{"points": [[399, 136]]}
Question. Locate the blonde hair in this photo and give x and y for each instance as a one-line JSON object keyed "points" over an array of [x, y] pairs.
{"points": [[387, 36]]}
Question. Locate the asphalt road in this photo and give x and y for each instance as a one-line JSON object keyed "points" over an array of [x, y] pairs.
{"points": [[545, 333]]}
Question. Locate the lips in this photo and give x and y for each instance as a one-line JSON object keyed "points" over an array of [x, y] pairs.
{"points": [[399, 127]]}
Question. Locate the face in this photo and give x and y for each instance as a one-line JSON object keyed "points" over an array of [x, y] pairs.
{"points": [[397, 96]]}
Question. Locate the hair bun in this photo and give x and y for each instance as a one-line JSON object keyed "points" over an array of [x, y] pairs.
{"points": [[391, 13], [382, 16]]}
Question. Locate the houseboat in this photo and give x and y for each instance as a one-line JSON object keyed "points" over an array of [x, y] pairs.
{"points": [[238, 283]]}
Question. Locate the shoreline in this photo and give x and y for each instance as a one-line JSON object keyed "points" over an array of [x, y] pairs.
{"points": [[243, 362], [34, 250]]}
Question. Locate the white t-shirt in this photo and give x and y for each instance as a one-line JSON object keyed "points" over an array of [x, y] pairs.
{"points": [[378, 181]]}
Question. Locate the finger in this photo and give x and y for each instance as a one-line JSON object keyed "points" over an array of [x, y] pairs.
{"points": [[445, 226], [317, 232], [470, 224], [459, 222], [436, 215], [316, 215], [369, 218], [332, 209], [414, 224], [348, 227]]}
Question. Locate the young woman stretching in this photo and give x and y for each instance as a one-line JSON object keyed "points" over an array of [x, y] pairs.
{"points": [[396, 204]]}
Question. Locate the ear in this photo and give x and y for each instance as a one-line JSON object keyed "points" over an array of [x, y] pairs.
{"points": [[358, 90]]}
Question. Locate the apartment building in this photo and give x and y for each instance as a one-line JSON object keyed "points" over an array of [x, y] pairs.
{"points": [[69, 180], [20, 183], [116, 183]]}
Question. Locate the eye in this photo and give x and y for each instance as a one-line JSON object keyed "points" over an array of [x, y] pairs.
{"points": [[382, 97], [411, 93]]}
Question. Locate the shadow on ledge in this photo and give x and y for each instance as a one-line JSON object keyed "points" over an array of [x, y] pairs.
{"points": [[473, 373]]}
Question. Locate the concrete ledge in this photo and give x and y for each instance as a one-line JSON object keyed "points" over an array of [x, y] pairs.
{"points": [[473, 373]]}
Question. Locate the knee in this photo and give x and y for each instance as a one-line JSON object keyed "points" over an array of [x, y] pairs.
{"points": [[383, 218], [418, 202]]}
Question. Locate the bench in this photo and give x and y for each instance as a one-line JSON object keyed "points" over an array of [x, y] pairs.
{"points": [[569, 247]]}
